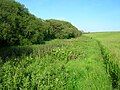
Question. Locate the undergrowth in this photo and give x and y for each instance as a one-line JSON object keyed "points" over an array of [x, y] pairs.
{"points": [[74, 64]]}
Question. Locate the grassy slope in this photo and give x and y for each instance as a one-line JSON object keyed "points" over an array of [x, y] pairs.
{"points": [[111, 42], [59, 64]]}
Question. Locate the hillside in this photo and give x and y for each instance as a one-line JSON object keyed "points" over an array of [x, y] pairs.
{"points": [[19, 27]]}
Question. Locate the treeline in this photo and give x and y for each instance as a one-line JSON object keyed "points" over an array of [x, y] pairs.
{"points": [[19, 27]]}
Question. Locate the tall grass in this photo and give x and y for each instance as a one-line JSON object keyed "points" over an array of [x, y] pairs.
{"points": [[110, 46], [74, 64]]}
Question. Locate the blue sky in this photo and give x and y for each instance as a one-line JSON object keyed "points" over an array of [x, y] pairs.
{"points": [[88, 15]]}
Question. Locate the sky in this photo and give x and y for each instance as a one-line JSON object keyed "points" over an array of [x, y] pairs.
{"points": [[87, 15]]}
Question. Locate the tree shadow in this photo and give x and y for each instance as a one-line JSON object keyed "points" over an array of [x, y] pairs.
{"points": [[7, 53]]}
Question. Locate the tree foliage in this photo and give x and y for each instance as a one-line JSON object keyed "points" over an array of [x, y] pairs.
{"points": [[19, 27], [63, 29]]}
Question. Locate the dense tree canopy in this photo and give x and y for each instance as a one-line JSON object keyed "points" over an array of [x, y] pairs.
{"points": [[19, 27], [63, 29]]}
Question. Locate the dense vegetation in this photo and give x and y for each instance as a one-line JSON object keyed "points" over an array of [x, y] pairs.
{"points": [[19, 27], [69, 64]]}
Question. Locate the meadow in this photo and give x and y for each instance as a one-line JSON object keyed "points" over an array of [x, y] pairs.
{"points": [[110, 45], [89, 62], [50, 54]]}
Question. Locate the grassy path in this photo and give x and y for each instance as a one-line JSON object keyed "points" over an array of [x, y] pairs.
{"points": [[71, 64], [110, 48]]}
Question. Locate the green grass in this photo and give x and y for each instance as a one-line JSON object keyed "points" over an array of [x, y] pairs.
{"points": [[111, 45], [111, 41], [69, 64]]}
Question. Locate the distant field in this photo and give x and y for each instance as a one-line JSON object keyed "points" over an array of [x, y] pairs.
{"points": [[90, 62], [110, 42]]}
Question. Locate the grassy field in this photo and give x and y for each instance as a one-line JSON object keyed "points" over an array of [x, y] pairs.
{"points": [[84, 63], [110, 45], [111, 41]]}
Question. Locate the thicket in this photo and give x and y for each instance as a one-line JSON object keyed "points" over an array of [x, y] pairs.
{"points": [[19, 27]]}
